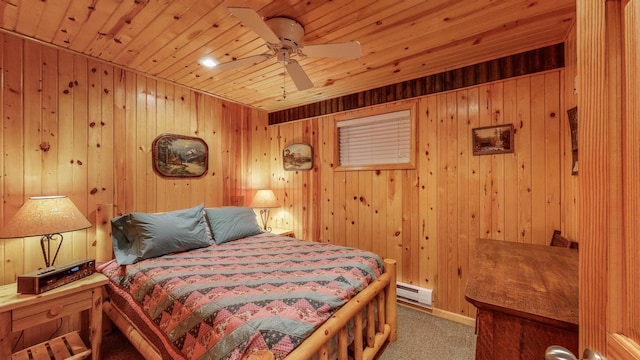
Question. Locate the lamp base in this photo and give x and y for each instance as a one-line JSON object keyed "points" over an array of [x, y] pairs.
{"points": [[46, 254], [264, 217]]}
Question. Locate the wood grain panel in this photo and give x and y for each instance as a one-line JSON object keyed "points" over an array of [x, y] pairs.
{"points": [[498, 182], [510, 111], [75, 92], [379, 212], [594, 219], [553, 155], [14, 153], [463, 133], [485, 190], [35, 135], [393, 236], [428, 191], [538, 160], [523, 152], [2, 130], [67, 134], [632, 164]]}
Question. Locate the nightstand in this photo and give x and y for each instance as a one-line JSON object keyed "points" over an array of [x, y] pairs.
{"points": [[283, 232], [23, 311]]}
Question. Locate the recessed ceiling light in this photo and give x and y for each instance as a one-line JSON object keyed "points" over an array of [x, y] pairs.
{"points": [[208, 62]]}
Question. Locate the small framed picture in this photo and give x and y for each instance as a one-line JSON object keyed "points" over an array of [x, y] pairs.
{"points": [[492, 139], [297, 157], [180, 156]]}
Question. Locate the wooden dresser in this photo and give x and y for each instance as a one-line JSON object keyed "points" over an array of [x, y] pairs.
{"points": [[526, 296]]}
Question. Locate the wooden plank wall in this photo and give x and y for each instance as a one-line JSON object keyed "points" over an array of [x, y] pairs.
{"points": [[428, 218], [99, 122]]}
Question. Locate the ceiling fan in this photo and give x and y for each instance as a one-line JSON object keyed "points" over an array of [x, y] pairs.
{"points": [[283, 37]]}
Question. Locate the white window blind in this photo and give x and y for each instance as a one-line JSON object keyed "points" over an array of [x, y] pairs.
{"points": [[375, 140]]}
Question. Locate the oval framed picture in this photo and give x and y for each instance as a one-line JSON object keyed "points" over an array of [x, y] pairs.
{"points": [[180, 156], [297, 157]]}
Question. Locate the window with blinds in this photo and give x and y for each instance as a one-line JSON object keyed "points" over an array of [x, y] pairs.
{"points": [[379, 140]]}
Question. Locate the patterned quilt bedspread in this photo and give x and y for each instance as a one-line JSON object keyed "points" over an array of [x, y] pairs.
{"points": [[226, 301]]}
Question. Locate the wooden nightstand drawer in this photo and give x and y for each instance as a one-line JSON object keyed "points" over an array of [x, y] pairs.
{"points": [[44, 311]]}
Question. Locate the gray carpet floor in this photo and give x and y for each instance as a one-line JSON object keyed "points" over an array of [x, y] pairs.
{"points": [[421, 336]]}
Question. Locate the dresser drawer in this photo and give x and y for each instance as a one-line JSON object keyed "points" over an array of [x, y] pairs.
{"points": [[43, 311]]}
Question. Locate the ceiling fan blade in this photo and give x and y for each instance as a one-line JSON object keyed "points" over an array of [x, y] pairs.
{"points": [[298, 76], [349, 50], [251, 60], [254, 21]]}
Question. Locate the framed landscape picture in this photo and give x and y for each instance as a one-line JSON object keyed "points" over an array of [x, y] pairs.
{"points": [[492, 139], [180, 156], [297, 157]]}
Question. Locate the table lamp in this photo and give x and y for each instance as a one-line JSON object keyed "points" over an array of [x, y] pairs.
{"points": [[47, 217], [263, 200]]}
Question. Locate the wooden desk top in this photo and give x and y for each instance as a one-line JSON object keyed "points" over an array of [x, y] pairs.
{"points": [[535, 282]]}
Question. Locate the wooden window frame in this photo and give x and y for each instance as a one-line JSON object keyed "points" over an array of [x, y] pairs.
{"points": [[373, 112]]}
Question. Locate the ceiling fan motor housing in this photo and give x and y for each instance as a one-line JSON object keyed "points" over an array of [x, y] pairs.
{"points": [[289, 31]]}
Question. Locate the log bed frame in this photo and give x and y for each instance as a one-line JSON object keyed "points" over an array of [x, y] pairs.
{"points": [[380, 328]]}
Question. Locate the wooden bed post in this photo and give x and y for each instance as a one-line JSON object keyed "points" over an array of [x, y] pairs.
{"points": [[391, 305], [104, 250]]}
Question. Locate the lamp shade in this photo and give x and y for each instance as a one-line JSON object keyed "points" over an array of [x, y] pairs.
{"points": [[45, 215], [264, 199]]}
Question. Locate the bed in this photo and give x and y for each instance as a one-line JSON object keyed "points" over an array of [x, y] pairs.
{"points": [[260, 296]]}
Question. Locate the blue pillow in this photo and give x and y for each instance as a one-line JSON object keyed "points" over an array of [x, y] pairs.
{"points": [[138, 236], [231, 223]]}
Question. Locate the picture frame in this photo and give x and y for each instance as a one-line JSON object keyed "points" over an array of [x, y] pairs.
{"points": [[179, 156], [496, 139], [297, 156]]}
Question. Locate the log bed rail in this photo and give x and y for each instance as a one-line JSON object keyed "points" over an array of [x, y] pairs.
{"points": [[376, 303]]}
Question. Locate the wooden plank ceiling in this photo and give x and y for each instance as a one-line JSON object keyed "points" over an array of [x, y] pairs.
{"points": [[400, 40]]}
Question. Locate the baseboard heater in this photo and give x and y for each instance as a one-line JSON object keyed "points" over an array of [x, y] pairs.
{"points": [[415, 295]]}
